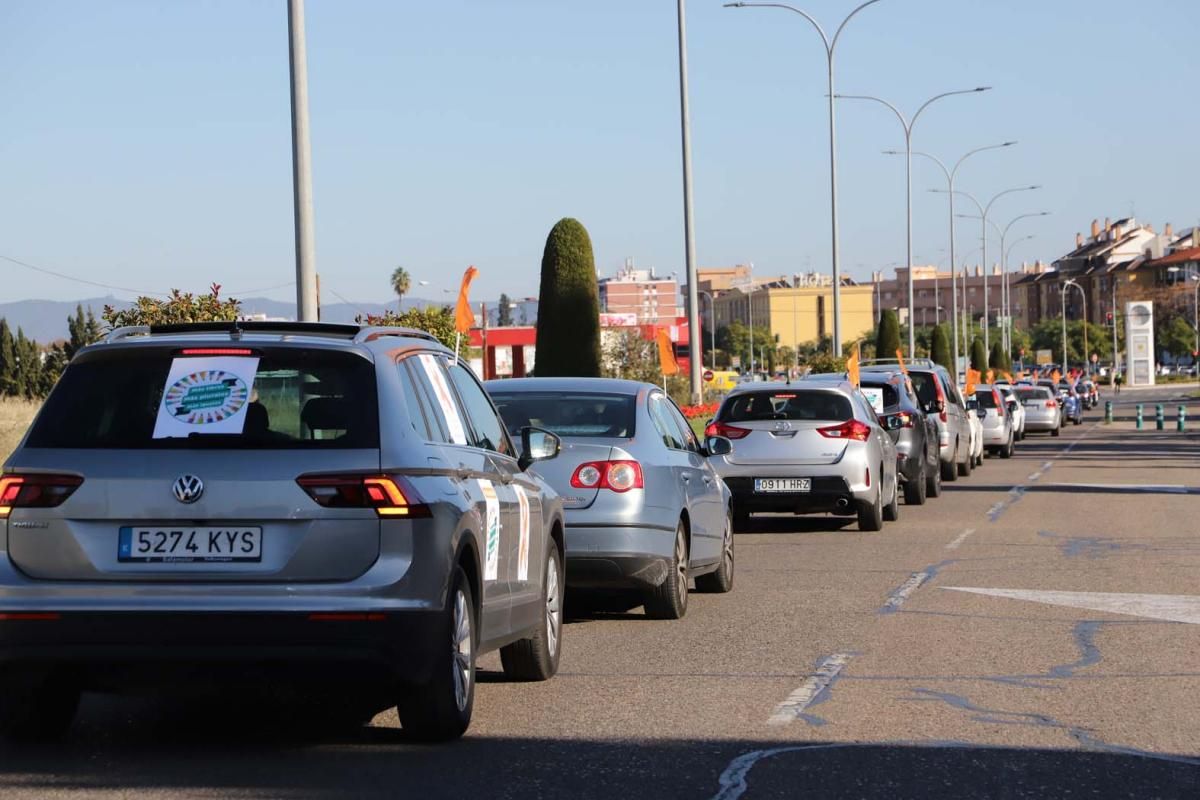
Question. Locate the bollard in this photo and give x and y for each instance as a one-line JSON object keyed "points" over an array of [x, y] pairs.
{"points": [[1139, 416], [1180, 424], [1159, 419], [1108, 415]]}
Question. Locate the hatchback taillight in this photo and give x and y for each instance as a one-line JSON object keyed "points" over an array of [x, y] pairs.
{"points": [[850, 429], [728, 431], [617, 476], [1051, 404], [35, 491], [389, 495]]}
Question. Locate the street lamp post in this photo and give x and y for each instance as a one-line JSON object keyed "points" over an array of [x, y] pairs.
{"points": [[302, 200], [1004, 300], [908, 125], [830, 49], [712, 323], [1083, 294], [951, 174], [1006, 331], [689, 233]]}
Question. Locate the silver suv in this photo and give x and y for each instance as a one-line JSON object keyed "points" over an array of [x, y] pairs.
{"points": [[319, 501]]}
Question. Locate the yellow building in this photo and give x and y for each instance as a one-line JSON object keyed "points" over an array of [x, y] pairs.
{"points": [[799, 314]]}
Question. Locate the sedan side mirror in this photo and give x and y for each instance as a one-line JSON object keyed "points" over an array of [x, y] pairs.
{"points": [[537, 445], [718, 446]]}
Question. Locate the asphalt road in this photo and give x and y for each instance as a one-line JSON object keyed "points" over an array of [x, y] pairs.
{"points": [[842, 665]]}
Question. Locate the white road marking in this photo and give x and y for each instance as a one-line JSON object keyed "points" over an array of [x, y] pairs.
{"points": [[962, 537], [907, 588], [790, 709], [1154, 488], [733, 778], [1171, 607]]}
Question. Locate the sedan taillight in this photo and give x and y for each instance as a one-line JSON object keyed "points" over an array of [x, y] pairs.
{"points": [[35, 491], [616, 476], [728, 431], [390, 496]]}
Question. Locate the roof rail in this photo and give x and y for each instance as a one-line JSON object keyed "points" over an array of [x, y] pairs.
{"points": [[371, 333], [916, 362], [124, 332]]}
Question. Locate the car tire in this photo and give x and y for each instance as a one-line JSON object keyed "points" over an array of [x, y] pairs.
{"points": [[669, 600], [440, 709], [870, 515], [891, 512], [1007, 451], [950, 470], [915, 490], [964, 469], [536, 658], [721, 580], [35, 707], [1056, 431], [934, 482]]}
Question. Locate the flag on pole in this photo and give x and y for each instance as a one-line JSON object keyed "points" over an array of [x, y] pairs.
{"points": [[464, 318], [991, 376], [666, 354], [973, 377], [852, 367], [900, 357]]}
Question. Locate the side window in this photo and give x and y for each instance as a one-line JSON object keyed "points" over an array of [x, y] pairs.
{"points": [[489, 431], [440, 399], [662, 423], [417, 414], [681, 424]]}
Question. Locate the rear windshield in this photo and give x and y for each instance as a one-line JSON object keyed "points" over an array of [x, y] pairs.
{"points": [[568, 413], [152, 398], [986, 399], [1030, 393], [790, 404]]}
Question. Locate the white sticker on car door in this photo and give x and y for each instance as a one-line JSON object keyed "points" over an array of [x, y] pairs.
{"points": [[445, 398], [523, 547], [491, 557]]}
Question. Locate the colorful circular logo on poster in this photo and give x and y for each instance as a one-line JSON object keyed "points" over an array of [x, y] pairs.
{"points": [[205, 397]]}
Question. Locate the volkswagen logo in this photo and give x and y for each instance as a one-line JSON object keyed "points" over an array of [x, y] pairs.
{"points": [[187, 488]]}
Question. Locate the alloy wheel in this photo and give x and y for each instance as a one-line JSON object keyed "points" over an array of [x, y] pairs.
{"points": [[460, 646], [553, 606]]}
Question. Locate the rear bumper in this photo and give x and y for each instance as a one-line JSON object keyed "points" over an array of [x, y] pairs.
{"points": [[995, 437], [1035, 425], [829, 494], [395, 646], [618, 556]]}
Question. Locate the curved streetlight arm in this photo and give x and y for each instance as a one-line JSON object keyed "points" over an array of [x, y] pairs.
{"points": [[1024, 216], [824, 36], [970, 153], [931, 100], [899, 115], [1017, 242], [988, 207], [967, 195]]}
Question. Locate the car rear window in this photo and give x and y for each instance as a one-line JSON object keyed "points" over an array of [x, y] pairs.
{"points": [[282, 398], [786, 404], [986, 399], [584, 414], [883, 396], [1029, 393]]}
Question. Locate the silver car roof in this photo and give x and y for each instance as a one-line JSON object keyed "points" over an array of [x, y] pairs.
{"points": [[609, 385], [807, 384]]}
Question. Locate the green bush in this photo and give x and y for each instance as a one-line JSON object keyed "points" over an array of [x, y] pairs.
{"points": [[179, 307], [979, 359], [887, 337], [438, 320], [568, 325], [941, 349]]}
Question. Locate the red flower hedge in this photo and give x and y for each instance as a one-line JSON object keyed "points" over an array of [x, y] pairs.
{"points": [[702, 410]]}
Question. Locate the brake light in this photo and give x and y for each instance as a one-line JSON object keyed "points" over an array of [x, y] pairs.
{"points": [[1051, 403], [728, 431], [616, 476], [35, 491], [850, 429], [390, 496], [216, 351]]}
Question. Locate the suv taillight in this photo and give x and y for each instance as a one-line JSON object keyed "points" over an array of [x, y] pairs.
{"points": [[850, 429], [616, 476], [35, 491], [389, 495], [728, 431]]}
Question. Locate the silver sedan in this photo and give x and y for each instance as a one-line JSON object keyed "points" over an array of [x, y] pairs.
{"points": [[809, 447], [645, 510]]}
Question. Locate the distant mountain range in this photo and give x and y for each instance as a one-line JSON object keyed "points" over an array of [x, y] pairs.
{"points": [[46, 320]]}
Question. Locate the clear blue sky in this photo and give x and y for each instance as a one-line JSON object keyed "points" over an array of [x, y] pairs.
{"points": [[146, 144]]}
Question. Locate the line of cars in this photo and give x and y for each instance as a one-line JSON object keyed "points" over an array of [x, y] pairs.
{"points": [[351, 509]]}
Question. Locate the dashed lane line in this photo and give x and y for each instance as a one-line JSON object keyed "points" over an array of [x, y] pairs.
{"points": [[962, 537], [793, 707]]}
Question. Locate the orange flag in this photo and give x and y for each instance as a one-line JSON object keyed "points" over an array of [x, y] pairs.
{"points": [[1056, 376], [666, 353], [991, 376], [852, 367], [900, 358], [464, 319], [973, 377]]}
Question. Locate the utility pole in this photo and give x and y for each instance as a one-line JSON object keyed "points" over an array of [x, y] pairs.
{"points": [[695, 346], [306, 264]]}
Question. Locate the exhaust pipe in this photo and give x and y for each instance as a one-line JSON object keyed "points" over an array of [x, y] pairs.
{"points": [[843, 504]]}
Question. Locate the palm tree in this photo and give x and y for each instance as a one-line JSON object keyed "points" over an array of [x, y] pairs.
{"points": [[401, 281]]}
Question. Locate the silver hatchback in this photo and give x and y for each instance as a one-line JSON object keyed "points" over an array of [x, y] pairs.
{"points": [[809, 447], [645, 509], [339, 503]]}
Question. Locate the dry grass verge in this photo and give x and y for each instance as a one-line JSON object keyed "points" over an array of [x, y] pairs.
{"points": [[15, 416]]}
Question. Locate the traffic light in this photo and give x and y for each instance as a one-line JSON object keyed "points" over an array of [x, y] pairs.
{"points": [[1108, 318]]}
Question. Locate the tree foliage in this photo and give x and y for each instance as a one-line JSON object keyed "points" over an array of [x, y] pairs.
{"points": [[401, 283], [940, 349], [979, 360], [438, 320], [568, 326], [179, 307], [887, 337], [996, 358], [1177, 337], [504, 314]]}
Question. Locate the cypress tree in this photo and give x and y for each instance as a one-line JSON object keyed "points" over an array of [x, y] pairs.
{"points": [[568, 325], [996, 357], [8, 360], [979, 359], [940, 347], [29, 366], [887, 337]]}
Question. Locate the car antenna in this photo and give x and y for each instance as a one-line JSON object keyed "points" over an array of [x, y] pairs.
{"points": [[236, 331]]}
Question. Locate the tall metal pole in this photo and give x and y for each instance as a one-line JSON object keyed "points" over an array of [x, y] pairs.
{"points": [[1113, 377], [693, 299], [306, 262], [1063, 297], [750, 316]]}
